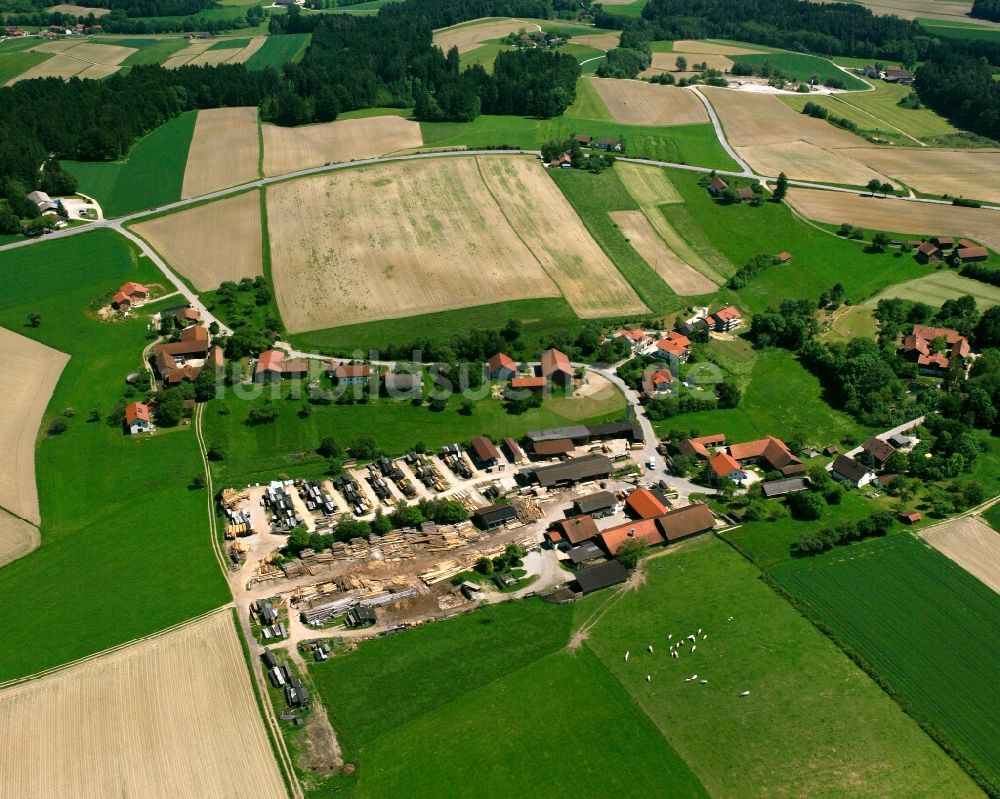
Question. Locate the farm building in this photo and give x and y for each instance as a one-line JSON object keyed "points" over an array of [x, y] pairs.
{"points": [[137, 419], [632, 431], [646, 504], [360, 616], [781, 488], [188, 316], [574, 470], [403, 384], [585, 553], [578, 434], [598, 504], [350, 374], [928, 253], [611, 145], [582, 139], [501, 367], [726, 467], [716, 186], [553, 448], [851, 471], [576, 529], [645, 530], [486, 452], [172, 359], [910, 516], [601, 576], [968, 255], [514, 451], [42, 201], [685, 522], [556, 367], [768, 450], [528, 383], [699, 447], [918, 345], [491, 516], [783, 257], [879, 450], [272, 366]]}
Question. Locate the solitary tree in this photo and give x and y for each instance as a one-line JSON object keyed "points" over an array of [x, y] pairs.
{"points": [[682, 63], [781, 187], [880, 241], [34, 319]]}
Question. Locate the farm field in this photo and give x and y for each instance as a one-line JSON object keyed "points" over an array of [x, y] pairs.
{"points": [[96, 552], [211, 243], [680, 276], [225, 150], [76, 58], [648, 185], [29, 372], [147, 51], [173, 715], [876, 213], [961, 30], [802, 67], [972, 544], [705, 47], [468, 36], [16, 62], [290, 149], [289, 444], [279, 50], [209, 52], [17, 538], [939, 286], [883, 598], [946, 10], [634, 102], [667, 62], [78, 11], [151, 175], [802, 160], [332, 266]]}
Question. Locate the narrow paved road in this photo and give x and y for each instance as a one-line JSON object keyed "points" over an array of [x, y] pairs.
{"points": [[721, 135]]}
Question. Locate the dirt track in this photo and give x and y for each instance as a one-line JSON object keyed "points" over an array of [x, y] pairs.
{"points": [[173, 716], [972, 544]]}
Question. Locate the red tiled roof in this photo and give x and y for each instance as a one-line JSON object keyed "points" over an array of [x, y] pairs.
{"points": [[348, 370], [195, 335], [121, 298], [771, 449], [657, 378], [723, 464], [557, 446], [671, 347], [554, 361], [966, 253], [137, 411], [270, 361], [528, 382], [699, 446], [783, 257], [718, 183], [501, 360], [577, 529], [485, 449], [134, 288], [931, 333], [646, 530], [728, 313], [645, 504]]}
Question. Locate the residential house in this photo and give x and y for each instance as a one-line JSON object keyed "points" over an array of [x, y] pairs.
{"points": [[674, 347], [716, 186], [729, 318], [486, 452], [130, 295], [188, 316], [928, 253], [42, 202], [898, 75], [726, 467], [879, 450], [272, 366], [137, 418], [350, 374], [770, 451], [657, 383], [637, 339], [852, 471], [646, 504], [917, 347], [563, 161], [556, 367], [973, 254], [501, 367]]}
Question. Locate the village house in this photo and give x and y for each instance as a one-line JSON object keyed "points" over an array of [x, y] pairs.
{"points": [[880, 451], [657, 382], [726, 467], [716, 186], [582, 139], [130, 295], [272, 366], [137, 419], [729, 318], [674, 347], [770, 451], [187, 316], [918, 345], [572, 531], [563, 161], [699, 447], [851, 471], [637, 339], [611, 145], [42, 201], [898, 75], [784, 487], [403, 384], [645, 530], [173, 360], [350, 374], [556, 367], [501, 367]]}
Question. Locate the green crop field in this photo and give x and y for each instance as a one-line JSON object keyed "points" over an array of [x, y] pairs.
{"points": [[288, 444], [880, 111], [802, 67], [229, 44], [458, 702], [279, 50], [924, 625], [483, 55], [941, 285], [151, 175], [960, 30], [151, 51], [588, 104], [125, 546], [14, 63], [685, 144], [630, 10]]}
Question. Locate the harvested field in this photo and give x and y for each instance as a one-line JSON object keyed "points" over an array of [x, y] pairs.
{"points": [[211, 58], [170, 716], [681, 277], [960, 173], [938, 286], [750, 118], [947, 10], [195, 48], [648, 185], [667, 62], [394, 240], [17, 538], [898, 216], [634, 102], [682, 248], [29, 372], [602, 41], [211, 243], [290, 149], [224, 150], [543, 218], [244, 55], [80, 59], [78, 11], [98, 71], [972, 544], [699, 47], [470, 35], [802, 160], [59, 66]]}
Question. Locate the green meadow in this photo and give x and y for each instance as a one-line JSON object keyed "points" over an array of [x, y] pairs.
{"points": [[125, 546], [14, 63], [279, 50]]}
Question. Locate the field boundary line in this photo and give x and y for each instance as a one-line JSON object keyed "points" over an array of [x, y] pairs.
{"points": [[209, 490], [117, 647], [9, 512]]}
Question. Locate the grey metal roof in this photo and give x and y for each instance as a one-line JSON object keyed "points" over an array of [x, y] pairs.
{"points": [[778, 488], [601, 576]]}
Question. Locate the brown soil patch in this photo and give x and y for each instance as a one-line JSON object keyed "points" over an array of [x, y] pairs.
{"points": [[224, 151], [29, 372], [167, 717], [211, 243], [972, 544], [710, 48], [290, 149], [802, 160], [244, 55], [634, 102], [17, 538], [78, 11], [899, 216], [602, 41], [681, 277]]}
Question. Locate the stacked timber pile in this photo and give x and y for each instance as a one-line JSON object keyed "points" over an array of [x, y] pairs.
{"points": [[446, 569], [230, 497]]}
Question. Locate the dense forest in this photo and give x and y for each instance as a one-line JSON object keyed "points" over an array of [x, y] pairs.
{"points": [[986, 9]]}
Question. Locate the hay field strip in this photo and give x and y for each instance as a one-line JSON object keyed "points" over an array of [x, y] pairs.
{"points": [[972, 544], [599, 41], [244, 55], [225, 150], [391, 240], [675, 241], [211, 243], [543, 218], [469, 36], [684, 279], [290, 149], [169, 716], [214, 56], [17, 538], [77, 59], [195, 48], [939, 286], [648, 185], [634, 102], [898, 216], [667, 62], [29, 372]]}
